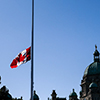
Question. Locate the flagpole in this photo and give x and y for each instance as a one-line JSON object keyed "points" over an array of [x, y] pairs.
{"points": [[32, 50]]}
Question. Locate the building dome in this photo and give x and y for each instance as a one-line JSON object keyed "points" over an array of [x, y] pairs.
{"points": [[93, 85], [73, 94], [35, 96], [94, 68]]}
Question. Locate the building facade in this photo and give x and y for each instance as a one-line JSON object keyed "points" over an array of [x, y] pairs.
{"points": [[90, 83], [5, 95]]}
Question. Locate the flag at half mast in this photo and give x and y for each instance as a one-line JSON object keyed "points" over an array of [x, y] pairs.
{"points": [[21, 58]]}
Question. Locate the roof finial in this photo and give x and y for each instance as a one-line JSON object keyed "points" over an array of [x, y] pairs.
{"points": [[34, 92], [95, 47]]}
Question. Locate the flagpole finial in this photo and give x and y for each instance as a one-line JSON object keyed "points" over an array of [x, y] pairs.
{"points": [[95, 47]]}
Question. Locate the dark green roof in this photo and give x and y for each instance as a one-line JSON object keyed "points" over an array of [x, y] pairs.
{"points": [[35, 96], [92, 69], [73, 94], [93, 85], [9, 96]]}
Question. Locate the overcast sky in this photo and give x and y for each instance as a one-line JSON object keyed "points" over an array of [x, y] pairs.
{"points": [[66, 32]]}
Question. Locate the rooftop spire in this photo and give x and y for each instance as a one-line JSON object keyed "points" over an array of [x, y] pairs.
{"points": [[95, 47], [96, 54], [73, 90]]}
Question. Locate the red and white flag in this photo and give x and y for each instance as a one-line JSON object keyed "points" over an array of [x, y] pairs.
{"points": [[21, 58]]}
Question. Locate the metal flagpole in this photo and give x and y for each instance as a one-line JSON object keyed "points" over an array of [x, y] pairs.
{"points": [[32, 50]]}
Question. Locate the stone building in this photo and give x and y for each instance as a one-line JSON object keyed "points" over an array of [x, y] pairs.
{"points": [[73, 96], [5, 95], [90, 83], [54, 96]]}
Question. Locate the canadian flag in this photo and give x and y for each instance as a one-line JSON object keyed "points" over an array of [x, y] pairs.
{"points": [[21, 58]]}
